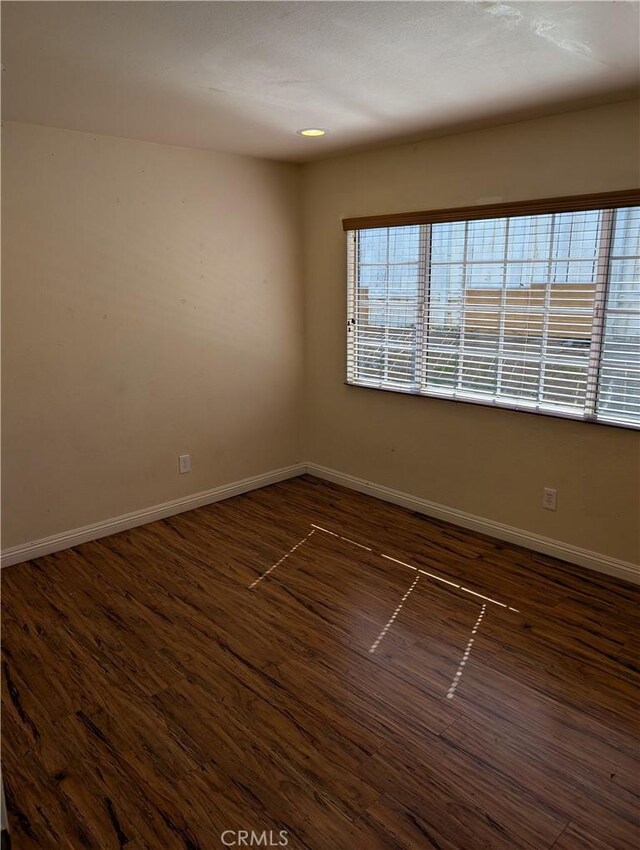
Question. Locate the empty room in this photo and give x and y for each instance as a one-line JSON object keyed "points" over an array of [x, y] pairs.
{"points": [[321, 425]]}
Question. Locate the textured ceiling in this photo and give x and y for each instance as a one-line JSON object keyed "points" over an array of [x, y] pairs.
{"points": [[244, 76]]}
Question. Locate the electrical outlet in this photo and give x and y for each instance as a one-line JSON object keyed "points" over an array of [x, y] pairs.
{"points": [[549, 499], [184, 464]]}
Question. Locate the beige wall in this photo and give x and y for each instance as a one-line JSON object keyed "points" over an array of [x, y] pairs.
{"points": [[489, 462], [152, 299], [153, 305]]}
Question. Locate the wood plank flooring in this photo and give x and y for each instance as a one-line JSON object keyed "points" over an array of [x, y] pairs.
{"points": [[153, 699]]}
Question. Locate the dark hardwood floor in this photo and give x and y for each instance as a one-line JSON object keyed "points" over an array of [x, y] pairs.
{"points": [[153, 698]]}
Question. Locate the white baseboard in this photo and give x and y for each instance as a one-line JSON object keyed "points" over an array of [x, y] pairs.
{"points": [[556, 548], [57, 542]]}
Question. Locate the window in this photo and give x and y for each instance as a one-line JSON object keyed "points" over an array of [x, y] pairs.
{"points": [[537, 312]]}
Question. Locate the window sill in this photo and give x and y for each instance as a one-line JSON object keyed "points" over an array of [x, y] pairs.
{"points": [[496, 405]]}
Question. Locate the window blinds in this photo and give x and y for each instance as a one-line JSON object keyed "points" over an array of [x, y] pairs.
{"points": [[536, 312]]}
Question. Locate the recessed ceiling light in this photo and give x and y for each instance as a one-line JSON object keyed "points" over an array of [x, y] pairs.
{"points": [[312, 131]]}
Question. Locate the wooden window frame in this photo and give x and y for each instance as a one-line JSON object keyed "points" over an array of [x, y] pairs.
{"points": [[539, 206]]}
